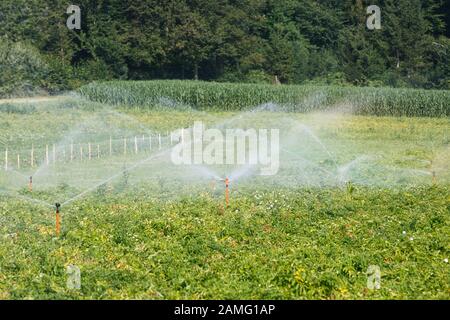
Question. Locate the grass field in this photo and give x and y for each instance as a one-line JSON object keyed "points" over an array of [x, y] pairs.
{"points": [[159, 232]]}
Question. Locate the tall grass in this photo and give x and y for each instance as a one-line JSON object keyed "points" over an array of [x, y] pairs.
{"points": [[297, 98]]}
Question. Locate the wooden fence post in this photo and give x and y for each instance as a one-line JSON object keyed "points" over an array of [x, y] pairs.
{"points": [[135, 145], [32, 156]]}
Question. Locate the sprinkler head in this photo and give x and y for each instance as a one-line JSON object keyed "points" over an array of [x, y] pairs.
{"points": [[227, 192], [58, 220]]}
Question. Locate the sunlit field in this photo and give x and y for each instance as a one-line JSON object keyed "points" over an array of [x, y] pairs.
{"points": [[353, 190]]}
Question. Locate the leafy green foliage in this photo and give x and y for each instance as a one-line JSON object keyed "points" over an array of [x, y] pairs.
{"points": [[286, 244], [296, 40], [22, 69]]}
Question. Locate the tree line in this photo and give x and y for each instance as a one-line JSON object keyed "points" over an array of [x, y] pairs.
{"points": [[299, 41]]}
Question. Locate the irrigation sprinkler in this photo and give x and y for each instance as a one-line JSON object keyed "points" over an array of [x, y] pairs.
{"points": [[227, 191], [30, 184], [58, 219], [32, 156], [434, 178]]}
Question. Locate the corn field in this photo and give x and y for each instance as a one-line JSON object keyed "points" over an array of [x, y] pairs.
{"points": [[294, 98]]}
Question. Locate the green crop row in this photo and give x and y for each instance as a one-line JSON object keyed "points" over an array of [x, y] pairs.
{"points": [[284, 244], [296, 98]]}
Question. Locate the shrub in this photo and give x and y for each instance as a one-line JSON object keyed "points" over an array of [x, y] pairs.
{"points": [[22, 69]]}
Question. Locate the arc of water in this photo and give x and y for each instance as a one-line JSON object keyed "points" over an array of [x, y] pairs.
{"points": [[80, 126], [207, 171], [129, 118], [413, 171], [312, 135], [137, 164], [36, 201], [343, 170], [113, 177], [18, 173], [241, 172], [309, 162]]}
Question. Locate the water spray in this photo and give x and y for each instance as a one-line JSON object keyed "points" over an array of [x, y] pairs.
{"points": [[213, 185], [58, 219]]}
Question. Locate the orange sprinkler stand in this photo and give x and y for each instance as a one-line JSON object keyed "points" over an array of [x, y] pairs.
{"points": [[227, 191], [58, 220], [30, 184]]}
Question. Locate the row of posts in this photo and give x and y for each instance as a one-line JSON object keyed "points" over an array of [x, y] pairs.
{"points": [[93, 151]]}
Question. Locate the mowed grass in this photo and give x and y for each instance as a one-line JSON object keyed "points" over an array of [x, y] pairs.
{"points": [[297, 243]]}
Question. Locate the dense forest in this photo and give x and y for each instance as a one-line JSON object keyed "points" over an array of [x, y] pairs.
{"points": [[300, 41]]}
